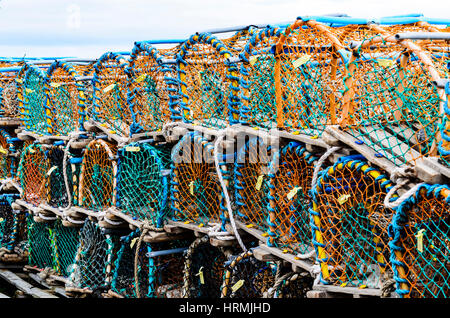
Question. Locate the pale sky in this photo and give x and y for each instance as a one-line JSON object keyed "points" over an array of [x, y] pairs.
{"points": [[88, 28]]}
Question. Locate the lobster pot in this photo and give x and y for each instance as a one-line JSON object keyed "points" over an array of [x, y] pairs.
{"points": [[251, 183], [8, 162], [311, 67], [152, 88], [258, 97], [350, 225], [391, 104], [33, 99], [290, 175], [420, 247], [247, 277], [110, 107], [98, 176], [10, 223], [159, 269], [9, 104], [208, 83], [33, 168], [94, 259], [39, 244], [196, 193], [55, 187], [203, 269], [143, 183], [237, 42], [67, 96], [64, 242]]}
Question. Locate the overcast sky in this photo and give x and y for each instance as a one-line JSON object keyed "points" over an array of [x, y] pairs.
{"points": [[88, 28]]}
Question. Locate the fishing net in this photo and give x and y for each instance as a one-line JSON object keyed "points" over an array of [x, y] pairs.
{"points": [[390, 103], [9, 222], [251, 183], [421, 246], [64, 243], [247, 277], [308, 78], [8, 163], [9, 105], [98, 176], [93, 260], [257, 84], [143, 182], [159, 268], [55, 189], [66, 95], [350, 225], [110, 107], [208, 82], [39, 244], [292, 285], [203, 269], [196, 194], [237, 42], [290, 177], [32, 171], [152, 88], [72, 159], [33, 98]]}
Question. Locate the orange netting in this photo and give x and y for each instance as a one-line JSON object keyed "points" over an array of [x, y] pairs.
{"points": [[9, 105]]}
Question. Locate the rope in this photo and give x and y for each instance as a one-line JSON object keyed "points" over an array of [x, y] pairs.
{"points": [[75, 221], [47, 218], [225, 191], [136, 257], [66, 181], [403, 197], [319, 164], [388, 287]]}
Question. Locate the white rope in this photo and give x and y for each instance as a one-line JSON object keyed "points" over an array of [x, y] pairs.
{"points": [[225, 191], [112, 222], [403, 197], [75, 221], [215, 231], [309, 255], [319, 164], [47, 218]]}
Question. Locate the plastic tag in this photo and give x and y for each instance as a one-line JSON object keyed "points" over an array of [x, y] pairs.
{"points": [[200, 78], [82, 95], [1, 220], [200, 273], [3, 150], [108, 88], [259, 182], [18, 80], [344, 198], [132, 149], [249, 225], [302, 60], [32, 150], [49, 172], [293, 192], [28, 90], [253, 59], [55, 85], [133, 241], [419, 237], [385, 62], [237, 285], [191, 187], [141, 78]]}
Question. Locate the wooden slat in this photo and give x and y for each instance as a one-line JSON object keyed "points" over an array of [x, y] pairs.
{"points": [[24, 286]]}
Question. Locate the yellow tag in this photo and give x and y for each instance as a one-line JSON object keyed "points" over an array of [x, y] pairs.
{"points": [[55, 85], [256, 128], [141, 78], [133, 241], [259, 182], [3, 150], [314, 137], [199, 75], [32, 150], [385, 62], [237, 285], [302, 60], [265, 234], [82, 95], [344, 284], [253, 59], [201, 225], [344, 198], [187, 222], [49, 172], [133, 149], [250, 225], [296, 257], [103, 125], [73, 167], [362, 286], [108, 88], [18, 80], [296, 132], [285, 251], [112, 131], [419, 237], [191, 187], [200, 273], [293, 192], [28, 90], [1, 220]]}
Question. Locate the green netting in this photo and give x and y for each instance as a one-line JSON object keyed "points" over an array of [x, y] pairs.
{"points": [[55, 184], [94, 259], [9, 222], [34, 100], [203, 269], [39, 244], [143, 182], [64, 247]]}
